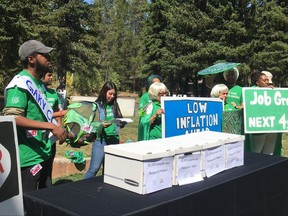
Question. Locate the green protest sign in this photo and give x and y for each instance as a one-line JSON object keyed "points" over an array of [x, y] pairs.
{"points": [[265, 110]]}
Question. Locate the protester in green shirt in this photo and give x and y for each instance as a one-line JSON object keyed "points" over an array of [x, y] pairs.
{"points": [[265, 143], [145, 98], [235, 91], [221, 91], [144, 101], [151, 118], [108, 110], [25, 99], [55, 103]]}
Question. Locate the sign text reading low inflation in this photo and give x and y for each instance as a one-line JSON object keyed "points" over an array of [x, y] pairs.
{"points": [[189, 115], [197, 122], [265, 110]]}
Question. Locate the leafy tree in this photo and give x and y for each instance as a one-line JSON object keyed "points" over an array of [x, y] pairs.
{"points": [[127, 40], [187, 36], [73, 29], [17, 25], [120, 44], [70, 26], [154, 38]]}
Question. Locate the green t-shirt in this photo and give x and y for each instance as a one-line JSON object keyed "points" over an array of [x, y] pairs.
{"points": [[53, 99], [229, 107], [235, 95], [143, 100], [156, 126], [109, 131], [34, 145]]}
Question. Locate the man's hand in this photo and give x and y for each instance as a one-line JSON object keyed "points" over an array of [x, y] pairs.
{"points": [[59, 132]]}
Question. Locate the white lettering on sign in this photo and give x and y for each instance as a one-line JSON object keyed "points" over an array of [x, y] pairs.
{"points": [[278, 100], [197, 107], [261, 99], [197, 121], [267, 100], [261, 121], [196, 130]]}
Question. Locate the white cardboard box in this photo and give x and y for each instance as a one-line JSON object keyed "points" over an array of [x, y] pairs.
{"points": [[213, 158], [212, 153], [187, 166], [141, 167], [149, 166], [233, 147]]}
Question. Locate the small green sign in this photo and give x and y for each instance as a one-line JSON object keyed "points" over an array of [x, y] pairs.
{"points": [[265, 110]]}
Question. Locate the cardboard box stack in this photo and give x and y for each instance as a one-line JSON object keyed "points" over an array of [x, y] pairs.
{"points": [[149, 166]]}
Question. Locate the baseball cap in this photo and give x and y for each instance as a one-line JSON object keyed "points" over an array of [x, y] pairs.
{"points": [[32, 46], [269, 76]]}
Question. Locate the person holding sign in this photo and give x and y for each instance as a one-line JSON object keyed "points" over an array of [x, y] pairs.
{"points": [[221, 91], [265, 143], [151, 122], [232, 117], [144, 101], [269, 76], [235, 91], [25, 99], [145, 97], [259, 79]]}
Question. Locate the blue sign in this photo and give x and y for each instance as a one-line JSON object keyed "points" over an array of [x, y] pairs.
{"points": [[189, 115]]}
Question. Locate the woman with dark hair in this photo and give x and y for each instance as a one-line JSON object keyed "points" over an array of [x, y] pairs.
{"points": [[108, 110], [259, 79], [265, 143]]}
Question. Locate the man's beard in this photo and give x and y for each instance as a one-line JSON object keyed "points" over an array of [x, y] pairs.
{"points": [[41, 68]]}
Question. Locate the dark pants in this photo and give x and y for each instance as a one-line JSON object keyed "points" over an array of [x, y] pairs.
{"points": [[30, 182], [44, 180]]}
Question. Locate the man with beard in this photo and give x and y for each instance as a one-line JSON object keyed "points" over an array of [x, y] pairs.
{"points": [[25, 99]]}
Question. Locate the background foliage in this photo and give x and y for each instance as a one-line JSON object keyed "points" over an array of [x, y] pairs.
{"points": [[127, 40]]}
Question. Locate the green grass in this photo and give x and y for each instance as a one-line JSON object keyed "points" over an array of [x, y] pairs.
{"points": [[71, 178], [285, 145], [67, 179]]}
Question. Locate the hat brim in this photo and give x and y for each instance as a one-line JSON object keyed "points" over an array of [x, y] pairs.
{"points": [[44, 50]]}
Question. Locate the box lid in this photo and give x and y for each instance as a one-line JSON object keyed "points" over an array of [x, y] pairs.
{"points": [[228, 137], [144, 150], [184, 143]]}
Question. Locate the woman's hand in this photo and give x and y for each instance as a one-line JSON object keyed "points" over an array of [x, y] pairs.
{"points": [[158, 112]]}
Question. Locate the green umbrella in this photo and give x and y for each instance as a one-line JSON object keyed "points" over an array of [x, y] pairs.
{"points": [[218, 68]]}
